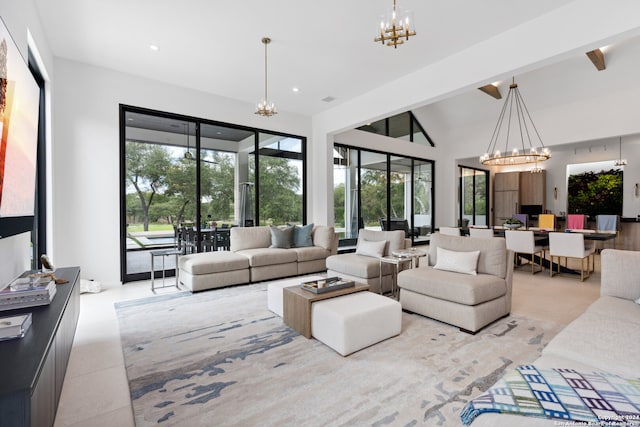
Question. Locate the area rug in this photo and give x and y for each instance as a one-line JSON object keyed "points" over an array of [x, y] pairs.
{"points": [[222, 358]]}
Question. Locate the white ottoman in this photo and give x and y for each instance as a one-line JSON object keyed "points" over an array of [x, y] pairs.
{"points": [[274, 291], [352, 322]]}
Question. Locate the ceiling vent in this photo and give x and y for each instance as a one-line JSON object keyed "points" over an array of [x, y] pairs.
{"points": [[329, 99]]}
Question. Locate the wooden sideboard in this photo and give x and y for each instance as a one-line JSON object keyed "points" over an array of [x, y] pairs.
{"points": [[32, 368]]}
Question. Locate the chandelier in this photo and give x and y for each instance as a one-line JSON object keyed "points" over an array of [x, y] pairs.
{"points": [[621, 161], [527, 151], [264, 107], [394, 27]]}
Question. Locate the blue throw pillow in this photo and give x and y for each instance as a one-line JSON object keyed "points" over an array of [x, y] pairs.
{"points": [[302, 236], [281, 237]]}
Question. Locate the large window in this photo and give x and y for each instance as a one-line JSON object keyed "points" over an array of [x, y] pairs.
{"points": [[184, 173], [381, 191], [473, 196]]}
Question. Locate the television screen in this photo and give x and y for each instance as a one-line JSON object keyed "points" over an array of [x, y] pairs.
{"points": [[19, 106]]}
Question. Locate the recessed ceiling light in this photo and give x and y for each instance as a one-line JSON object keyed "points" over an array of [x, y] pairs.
{"points": [[295, 89], [154, 47]]}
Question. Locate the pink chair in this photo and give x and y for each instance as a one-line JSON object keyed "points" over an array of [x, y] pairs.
{"points": [[576, 221]]}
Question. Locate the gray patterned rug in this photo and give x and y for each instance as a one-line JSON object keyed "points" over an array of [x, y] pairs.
{"points": [[222, 358]]}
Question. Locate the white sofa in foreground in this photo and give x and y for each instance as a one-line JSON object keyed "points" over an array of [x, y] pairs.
{"points": [[606, 337]]}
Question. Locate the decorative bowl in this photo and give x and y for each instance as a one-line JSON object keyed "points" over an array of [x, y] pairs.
{"points": [[512, 226]]}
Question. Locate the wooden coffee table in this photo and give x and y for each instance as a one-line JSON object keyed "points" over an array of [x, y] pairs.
{"points": [[297, 305]]}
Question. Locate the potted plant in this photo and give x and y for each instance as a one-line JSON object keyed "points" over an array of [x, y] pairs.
{"points": [[513, 223]]}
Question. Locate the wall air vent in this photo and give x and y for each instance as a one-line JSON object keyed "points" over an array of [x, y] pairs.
{"points": [[328, 99]]}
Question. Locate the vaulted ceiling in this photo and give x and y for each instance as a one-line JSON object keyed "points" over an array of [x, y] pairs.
{"points": [[324, 48]]}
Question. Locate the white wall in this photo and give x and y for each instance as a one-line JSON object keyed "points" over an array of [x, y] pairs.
{"points": [[87, 159]]}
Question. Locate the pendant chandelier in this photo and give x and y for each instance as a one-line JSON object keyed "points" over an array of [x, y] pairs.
{"points": [[264, 107], [620, 161], [395, 28], [527, 151]]}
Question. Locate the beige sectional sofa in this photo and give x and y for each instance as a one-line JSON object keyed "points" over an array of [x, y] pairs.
{"points": [[469, 301], [251, 259], [606, 337]]}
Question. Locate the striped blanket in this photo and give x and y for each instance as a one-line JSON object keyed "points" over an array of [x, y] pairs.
{"points": [[598, 398]]}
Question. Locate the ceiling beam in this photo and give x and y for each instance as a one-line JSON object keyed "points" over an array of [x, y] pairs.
{"points": [[597, 57], [491, 90]]}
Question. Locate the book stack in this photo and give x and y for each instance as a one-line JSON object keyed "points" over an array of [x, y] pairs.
{"points": [[27, 292], [14, 326]]}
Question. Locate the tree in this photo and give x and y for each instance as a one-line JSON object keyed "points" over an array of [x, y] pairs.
{"points": [[279, 187], [146, 170]]}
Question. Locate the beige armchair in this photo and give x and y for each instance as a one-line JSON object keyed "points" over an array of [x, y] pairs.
{"points": [[363, 266], [470, 300]]}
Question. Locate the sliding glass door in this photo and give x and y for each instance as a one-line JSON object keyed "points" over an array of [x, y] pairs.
{"points": [[381, 191], [474, 203], [182, 177]]}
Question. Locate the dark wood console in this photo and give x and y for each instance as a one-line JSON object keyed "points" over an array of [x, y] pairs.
{"points": [[32, 368]]}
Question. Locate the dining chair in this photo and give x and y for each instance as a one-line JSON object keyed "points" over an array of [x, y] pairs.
{"points": [[576, 221], [523, 242], [522, 218], [547, 222], [481, 232], [570, 245], [451, 231], [608, 224]]}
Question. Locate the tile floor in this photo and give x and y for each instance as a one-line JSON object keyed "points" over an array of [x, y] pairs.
{"points": [[95, 391]]}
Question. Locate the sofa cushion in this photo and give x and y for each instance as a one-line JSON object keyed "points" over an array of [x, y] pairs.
{"points": [[395, 239], [370, 249], [459, 288], [616, 277], [281, 237], [616, 308], [602, 339], [493, 252], [323, 236], [212, 262], [268, 256], [357, 265], [457, 262], [302, 236], [249, 238], [311, 253]]}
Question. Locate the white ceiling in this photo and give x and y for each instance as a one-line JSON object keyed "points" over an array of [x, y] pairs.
{"points": [[325, 48]]}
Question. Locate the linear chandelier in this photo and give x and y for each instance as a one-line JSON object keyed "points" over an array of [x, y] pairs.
{"points": [[517, 155], [264, 107], [395, 28]]}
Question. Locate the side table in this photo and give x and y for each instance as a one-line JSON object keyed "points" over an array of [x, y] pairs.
{"points": [[297, 305], [396, 262], [163, 253], [414, 253]]}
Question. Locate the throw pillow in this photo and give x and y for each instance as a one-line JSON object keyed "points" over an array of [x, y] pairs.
{"points": [[458, 262], [370, 248], [302, 236], [281, 237]]}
